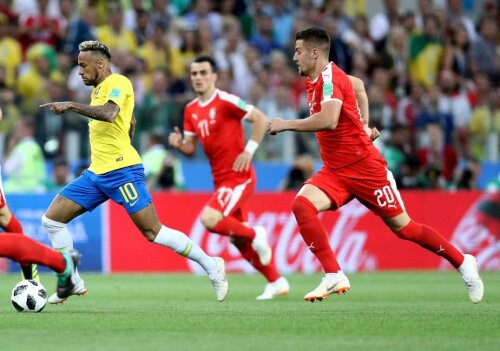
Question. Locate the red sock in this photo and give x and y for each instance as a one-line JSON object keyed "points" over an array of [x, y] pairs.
{"points": [[269, 271], [314, 234], [25, 250], [230, 226], [13, 226], [431, 240]]}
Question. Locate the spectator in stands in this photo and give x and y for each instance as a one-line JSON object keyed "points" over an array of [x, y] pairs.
{"points": [[484, 128], [10, 110], [484, 54], [398, 150], [426, 51], [24, 166], [81, 27], [41, 27], [143, 30], [432, 114], [158, 54], [33, 83], [10, 49], [394, 59], [282, 21], [340, 52], [358, 39], [302, 169], [456, 18], [381, 22], [282, 147], [335, 9], [438, 160], [263, 38], [49, 127], [153, 157], [162, 169], [113, 35], [158, 111], [466, 177], [454, 100], [230, 53], [456, 52], [202, 10], [425, 8], [60, 175], [162, 12]]}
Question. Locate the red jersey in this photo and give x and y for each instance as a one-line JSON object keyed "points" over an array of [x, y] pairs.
{"points": [[348, 142], [217, 124]]}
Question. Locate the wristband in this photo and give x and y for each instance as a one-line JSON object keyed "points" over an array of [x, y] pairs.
{"points": [[251, 146]]}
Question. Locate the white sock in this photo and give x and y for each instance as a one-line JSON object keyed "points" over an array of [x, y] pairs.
{"points": [[59, 235], [58, 232], [181, 244]]}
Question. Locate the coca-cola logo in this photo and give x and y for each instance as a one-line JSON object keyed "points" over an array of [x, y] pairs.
{"points": [[290, 252], [478, 232]]}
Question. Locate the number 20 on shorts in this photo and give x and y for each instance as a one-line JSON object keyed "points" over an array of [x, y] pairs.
{"points": [[128, 192], [385, 196]]}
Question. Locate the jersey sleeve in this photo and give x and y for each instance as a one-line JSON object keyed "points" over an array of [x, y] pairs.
{"points": [[235, 106], [331, 89], [118, 90]]}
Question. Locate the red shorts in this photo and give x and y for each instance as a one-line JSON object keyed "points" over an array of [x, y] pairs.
{"points": [[367, 180], [231, 197]]}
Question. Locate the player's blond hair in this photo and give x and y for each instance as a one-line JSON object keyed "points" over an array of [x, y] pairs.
{"points": [[95, 47]]}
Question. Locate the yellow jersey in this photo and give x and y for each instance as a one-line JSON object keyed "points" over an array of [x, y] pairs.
{"points": [[110, 142]]}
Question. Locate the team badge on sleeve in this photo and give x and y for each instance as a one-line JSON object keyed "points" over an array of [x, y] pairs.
{"points": [[115, 93], [328, 89]]}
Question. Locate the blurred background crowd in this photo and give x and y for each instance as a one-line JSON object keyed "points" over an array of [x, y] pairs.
{"points": [[431, 71]]}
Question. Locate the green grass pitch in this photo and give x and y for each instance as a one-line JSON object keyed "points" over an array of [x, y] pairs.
{"points": [[383, 311]]}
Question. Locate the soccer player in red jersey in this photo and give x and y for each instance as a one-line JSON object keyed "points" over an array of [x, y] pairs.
{"points": [[9, 223], [26, 251], [353, 168], [214, 118]]}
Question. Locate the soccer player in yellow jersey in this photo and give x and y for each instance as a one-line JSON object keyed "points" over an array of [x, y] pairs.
{"points": [[116, 170]]}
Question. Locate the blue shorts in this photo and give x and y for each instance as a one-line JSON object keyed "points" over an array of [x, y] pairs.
{"points": [[125, 186]]}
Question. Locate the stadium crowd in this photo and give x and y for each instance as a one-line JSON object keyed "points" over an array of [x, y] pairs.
{"points": [[432, 75]]}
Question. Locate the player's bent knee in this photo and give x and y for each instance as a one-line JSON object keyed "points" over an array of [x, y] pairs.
{"points": [[209, 221], [149, 234], [303, 209], [412, 231]]}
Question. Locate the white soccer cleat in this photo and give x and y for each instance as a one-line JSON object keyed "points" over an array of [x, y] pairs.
{"points": [[261, 246], [219, 280], [332, 283], [78, 289], [470, 274], [278, 288]]}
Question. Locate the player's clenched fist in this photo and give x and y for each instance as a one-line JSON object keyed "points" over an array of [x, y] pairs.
{"points": [[175, 138], [276, 125]]}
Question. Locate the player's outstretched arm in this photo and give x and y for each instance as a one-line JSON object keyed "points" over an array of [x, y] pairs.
{"points": [[326, 119], [105, 113], [259, 121], [186, 145]]}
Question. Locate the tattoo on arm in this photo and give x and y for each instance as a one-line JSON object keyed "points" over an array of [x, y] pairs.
{"points": [[105, 113]]}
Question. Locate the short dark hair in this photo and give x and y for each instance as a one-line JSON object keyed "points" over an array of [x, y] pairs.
{"points": [[208, 59], [316, 36], [95, 47]]}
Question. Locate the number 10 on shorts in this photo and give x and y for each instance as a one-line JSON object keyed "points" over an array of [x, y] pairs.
{"points": [[128, 192]]}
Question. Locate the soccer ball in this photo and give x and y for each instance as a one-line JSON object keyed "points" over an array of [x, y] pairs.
{"points": [[29, 296]]}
